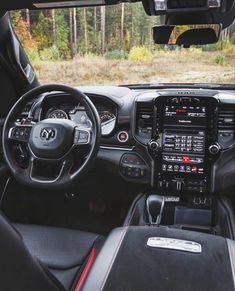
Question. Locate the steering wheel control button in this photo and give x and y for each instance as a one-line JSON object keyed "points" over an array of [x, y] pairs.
{"points": [[123, 136], [81, 136], [20, 133]]}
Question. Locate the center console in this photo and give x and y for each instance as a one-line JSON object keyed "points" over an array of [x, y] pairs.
{"points": [[163, 259], [184, 143]]}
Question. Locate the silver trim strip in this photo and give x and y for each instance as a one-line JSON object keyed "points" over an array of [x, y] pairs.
{"points": [[105, 260], [67, 3], [116, 148], [231, 251], [45, 181], [4, 191]]}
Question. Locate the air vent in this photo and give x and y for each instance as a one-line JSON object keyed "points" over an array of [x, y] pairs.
{"points": [[144, 119], [226, 118], [145, 114]]}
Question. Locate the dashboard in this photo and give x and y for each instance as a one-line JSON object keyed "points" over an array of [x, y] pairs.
{"points": [[174, 141]]}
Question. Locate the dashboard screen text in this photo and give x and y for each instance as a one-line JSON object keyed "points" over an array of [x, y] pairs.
{"points": [[184, 115]]}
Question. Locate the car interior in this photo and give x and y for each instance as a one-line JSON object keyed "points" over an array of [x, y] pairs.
{"points": [[126, 187]]}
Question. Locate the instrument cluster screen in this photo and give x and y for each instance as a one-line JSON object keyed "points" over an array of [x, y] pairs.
{"points": [[182, 115]]}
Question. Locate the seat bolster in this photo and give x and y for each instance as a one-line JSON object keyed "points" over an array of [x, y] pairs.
{"points": [[18, 269], [63, 252], [57, 248]]}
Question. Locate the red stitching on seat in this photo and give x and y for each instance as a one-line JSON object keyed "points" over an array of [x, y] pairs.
{"points": [[85, 270]]}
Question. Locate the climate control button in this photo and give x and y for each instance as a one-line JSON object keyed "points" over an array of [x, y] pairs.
{"points": [[186, 159], [194, 170]]}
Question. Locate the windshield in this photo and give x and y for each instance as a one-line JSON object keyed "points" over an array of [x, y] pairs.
{"points": [[113, 45]]}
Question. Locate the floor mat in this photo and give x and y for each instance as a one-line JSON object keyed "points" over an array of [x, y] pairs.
{"points": [[91, 208]]}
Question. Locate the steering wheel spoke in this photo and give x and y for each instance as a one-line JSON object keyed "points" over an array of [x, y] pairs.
{"points": [[36, 175], [20, 133]]}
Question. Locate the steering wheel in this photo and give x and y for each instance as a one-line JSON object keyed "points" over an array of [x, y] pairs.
{"points": [[51, 143]]}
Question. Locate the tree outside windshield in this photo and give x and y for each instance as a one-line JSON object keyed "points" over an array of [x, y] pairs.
{"points": [[114, 45]]}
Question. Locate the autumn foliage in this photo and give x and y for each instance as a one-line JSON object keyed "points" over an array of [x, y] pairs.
{"points": [[22, 31]]}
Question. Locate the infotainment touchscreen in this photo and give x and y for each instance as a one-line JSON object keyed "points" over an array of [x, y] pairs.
{"points": [[179, 114]]}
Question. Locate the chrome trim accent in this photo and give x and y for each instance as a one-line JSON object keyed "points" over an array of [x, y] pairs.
{"points": [[116, 148], [231, 251], [106, 123], [217, 146], [127, 136], [174, 244], [10, 132], [45, 181], [105, 260], [61, 4], [4, 190]]}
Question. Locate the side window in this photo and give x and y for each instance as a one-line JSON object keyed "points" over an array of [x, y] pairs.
{"points": [[8, 94]]}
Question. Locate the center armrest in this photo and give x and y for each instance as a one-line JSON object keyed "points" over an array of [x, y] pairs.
{"points": [[162, 258]]}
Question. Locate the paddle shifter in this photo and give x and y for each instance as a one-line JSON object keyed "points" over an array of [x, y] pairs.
{"points": [[155, 206]]}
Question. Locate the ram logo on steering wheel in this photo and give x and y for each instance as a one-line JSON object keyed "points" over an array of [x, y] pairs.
{"points": [[48, 134]]}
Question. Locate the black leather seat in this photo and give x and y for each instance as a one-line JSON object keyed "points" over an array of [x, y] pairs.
{"points": [[36, 258], [62, 251]]}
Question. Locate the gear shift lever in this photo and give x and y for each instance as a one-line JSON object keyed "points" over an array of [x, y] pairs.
{"points": [[155, 206]]}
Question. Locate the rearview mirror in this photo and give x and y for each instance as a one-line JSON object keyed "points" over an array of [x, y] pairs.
{"points": [[186, 35]]}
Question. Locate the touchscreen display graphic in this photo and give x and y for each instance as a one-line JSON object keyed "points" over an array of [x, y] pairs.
{"points": [[185, 115]]}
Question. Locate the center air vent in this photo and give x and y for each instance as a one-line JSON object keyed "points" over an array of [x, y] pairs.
{"points": [[144, 119], [226, 120], [226, 126]]}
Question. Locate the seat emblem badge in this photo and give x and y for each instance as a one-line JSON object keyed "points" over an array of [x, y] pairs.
{"points": [[174, 244]]}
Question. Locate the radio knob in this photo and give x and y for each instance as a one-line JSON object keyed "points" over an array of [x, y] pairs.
{"points": [[214, 149], [154, 147]]}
